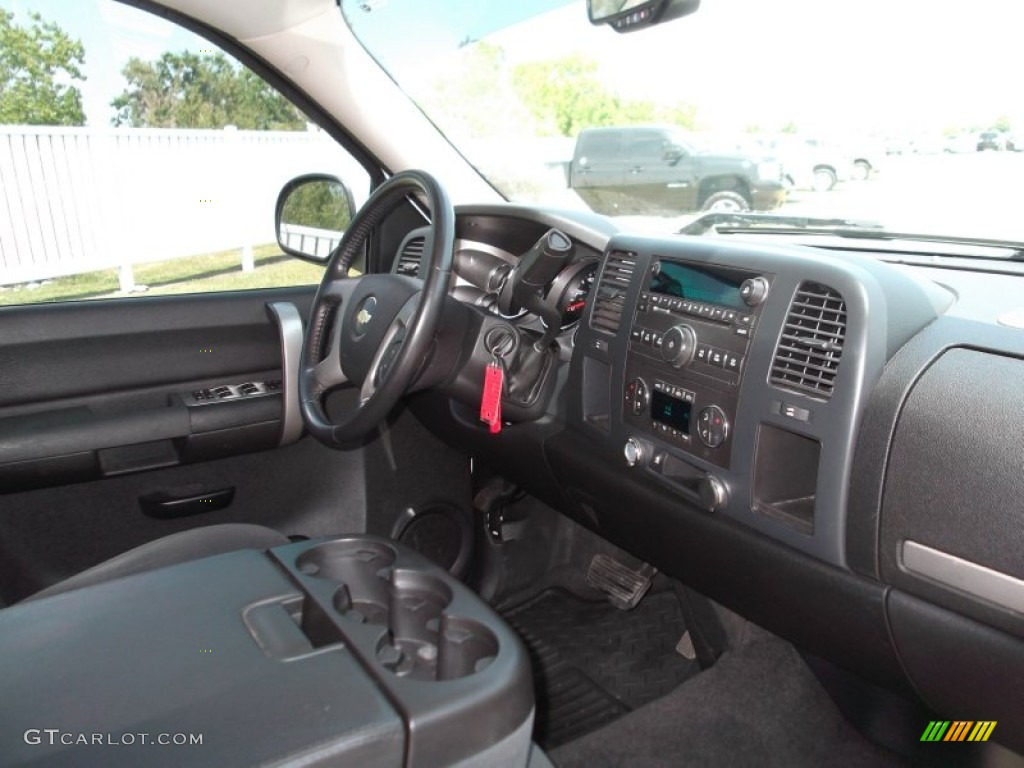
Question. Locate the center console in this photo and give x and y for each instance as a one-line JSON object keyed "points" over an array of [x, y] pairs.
{"points": [[349, 651], [688, 345]]}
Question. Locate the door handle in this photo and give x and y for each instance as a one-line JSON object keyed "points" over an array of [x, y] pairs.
{"points": [[162, 505], [636, 169]]}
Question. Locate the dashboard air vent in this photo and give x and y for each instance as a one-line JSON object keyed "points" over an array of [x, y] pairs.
{"points": [[807, 356], [410, 257], [611, 291]]}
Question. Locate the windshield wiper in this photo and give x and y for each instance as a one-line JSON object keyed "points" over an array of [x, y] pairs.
{"points": [[727, 223]]}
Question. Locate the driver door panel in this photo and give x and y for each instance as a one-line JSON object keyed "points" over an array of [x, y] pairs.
{"points": [[98, 417]]}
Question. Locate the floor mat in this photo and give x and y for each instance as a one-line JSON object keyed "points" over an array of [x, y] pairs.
{"points": [[593, 663], [759, 706]]}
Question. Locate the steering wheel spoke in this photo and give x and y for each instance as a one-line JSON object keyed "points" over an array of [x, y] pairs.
{"points": [[328, 372], [381, 364]]}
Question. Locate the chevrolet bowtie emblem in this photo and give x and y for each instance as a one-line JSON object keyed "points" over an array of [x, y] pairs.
{"points": [[365, 315]]}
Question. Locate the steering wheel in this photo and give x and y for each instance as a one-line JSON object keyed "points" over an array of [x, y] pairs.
{"points": [[376, 330]]}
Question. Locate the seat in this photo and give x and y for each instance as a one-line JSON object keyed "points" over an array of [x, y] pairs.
{"points": [[171, 550]]}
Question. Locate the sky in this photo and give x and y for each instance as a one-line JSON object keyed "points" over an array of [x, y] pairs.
{"points": [[902, 66]]}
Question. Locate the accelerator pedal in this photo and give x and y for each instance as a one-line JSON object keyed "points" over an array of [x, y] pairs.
{"points": [[623, 585]]}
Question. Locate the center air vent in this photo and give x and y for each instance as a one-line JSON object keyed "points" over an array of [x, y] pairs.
{"points": [[811, 344], [410, 256], [611, 291]]}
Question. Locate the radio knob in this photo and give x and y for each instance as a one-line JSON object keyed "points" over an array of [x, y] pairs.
{"points": [[678, 345], [753, 291]]}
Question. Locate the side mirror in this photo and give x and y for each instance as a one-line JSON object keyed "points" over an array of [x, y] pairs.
{"points": [[311, 215], [631, 15]]}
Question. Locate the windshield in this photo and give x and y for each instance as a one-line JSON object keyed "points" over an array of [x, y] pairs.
{"points": [[903, 114]]}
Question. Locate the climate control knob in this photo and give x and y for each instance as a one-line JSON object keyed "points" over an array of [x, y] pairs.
{"points": [[712, 426], [678, 345]]}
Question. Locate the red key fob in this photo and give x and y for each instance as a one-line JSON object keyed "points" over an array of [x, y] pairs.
{"points": [[490, 403]]}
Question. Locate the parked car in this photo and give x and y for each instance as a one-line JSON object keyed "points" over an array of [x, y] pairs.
{"points": [[650, 169], [960, 143], [990, 140], [809, 163]]}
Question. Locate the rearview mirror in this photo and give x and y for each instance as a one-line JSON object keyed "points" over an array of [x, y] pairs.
{"points": [[312, 214], [631, 15]]}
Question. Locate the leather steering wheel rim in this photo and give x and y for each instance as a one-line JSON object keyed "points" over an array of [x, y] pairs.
{"points": [[345, 305]]}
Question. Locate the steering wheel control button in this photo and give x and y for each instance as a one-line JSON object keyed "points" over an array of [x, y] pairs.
{"points": [[364, 316], [678, 345], [633, 451], [712, 426], [753, 291]]}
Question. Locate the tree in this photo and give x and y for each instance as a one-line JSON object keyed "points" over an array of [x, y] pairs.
{"points": [[1002, 123], [473, 98], [566, 95], [187, 90], [319, 204], [39, 64]]}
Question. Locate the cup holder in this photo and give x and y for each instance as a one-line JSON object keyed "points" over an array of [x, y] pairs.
{"points": [[424, 643], [361, 568]]}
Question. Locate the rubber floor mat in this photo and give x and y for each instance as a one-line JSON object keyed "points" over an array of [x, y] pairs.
{"points": [[593, 663]]}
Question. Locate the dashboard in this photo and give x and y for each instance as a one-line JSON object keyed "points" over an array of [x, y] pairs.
{"points": [[825, 442]]}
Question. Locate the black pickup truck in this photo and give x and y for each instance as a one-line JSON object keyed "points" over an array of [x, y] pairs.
{"points": [[660, 170]]}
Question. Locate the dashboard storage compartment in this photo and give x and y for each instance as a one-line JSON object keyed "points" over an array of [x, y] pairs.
{"points": [[785, 477], [951, 517], [352, 651]]}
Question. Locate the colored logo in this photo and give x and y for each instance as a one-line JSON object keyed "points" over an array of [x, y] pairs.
{"points": [[958, 730]]}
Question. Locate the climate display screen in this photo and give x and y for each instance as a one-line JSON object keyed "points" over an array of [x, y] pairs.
{"points": [[685, 281], [670, 411]]}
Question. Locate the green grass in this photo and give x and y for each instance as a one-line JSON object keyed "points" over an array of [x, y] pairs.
{"points": [[219, 271]]}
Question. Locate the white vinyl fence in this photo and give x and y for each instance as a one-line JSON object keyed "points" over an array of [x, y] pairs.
{"points": [[319, 242], [74, 200]]}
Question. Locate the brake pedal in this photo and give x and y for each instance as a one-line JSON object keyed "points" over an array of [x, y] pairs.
{"points": [[623, 585]]}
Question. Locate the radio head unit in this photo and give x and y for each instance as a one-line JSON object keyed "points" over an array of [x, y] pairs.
{"points": [[687, 351]]}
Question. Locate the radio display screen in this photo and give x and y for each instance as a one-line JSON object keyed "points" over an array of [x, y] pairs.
{"points": [[685, 281], [670, 411]]}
